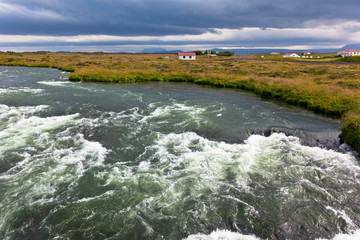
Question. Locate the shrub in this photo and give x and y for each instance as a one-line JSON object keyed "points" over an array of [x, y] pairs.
{"points": [[226, 53], [351, 132]]}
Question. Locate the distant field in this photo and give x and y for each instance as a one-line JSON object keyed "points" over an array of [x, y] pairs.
{"points": [[315, 56], [331, 88]]}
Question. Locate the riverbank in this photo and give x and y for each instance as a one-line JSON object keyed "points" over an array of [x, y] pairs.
{"points": [[331, 90]]}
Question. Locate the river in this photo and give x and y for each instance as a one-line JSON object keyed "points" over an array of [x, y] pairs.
{"points": [[167, 161]]}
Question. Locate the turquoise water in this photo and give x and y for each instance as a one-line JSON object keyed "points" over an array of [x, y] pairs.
{"points": [[166, 161]]}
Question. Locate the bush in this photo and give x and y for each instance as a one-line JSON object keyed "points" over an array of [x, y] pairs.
{"points": [[226, 53], [351, 133], [198, 52]]}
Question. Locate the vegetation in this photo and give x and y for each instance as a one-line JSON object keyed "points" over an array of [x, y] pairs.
{"points": [[329, 88], [226, 53], [350, 59], [316, 57], [198, 52]]}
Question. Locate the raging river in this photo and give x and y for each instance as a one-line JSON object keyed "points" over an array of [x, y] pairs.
{"points": [[167, 161]]}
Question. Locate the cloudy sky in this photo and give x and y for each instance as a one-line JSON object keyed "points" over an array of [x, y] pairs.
{"points": [[132, 25]]}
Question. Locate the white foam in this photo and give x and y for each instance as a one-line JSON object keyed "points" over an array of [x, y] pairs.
{"points": [[221, 235], [145, 165], [56, 83], [12, 90], [343, 215], [187, 155], [355, 235], [104, 195], [6, 111], [16, 134], [51, 154], [169, 110]]}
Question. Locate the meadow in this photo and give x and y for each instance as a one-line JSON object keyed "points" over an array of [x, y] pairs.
{"points": [[331, 88]]}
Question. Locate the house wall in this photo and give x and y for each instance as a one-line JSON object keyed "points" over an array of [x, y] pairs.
{"points": [[187, 57], [294, 55], [343, 53], [347, 53]]}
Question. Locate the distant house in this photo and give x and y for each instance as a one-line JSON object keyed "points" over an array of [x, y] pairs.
{"points": [[306, 53], [186, 56], [274, 53], [348, 53], [291, 55]]}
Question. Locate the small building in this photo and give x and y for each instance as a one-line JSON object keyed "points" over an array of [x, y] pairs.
{"points": [[348, 53], [274, 53], [306, 53], [186, 56], [291, 55]]}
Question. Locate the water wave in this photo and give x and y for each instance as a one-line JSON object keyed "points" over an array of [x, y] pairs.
{"points": [[351, 236], [221, 235], [228, 235], [12, 90], [56, 83], [179, 168], [43, 154]]}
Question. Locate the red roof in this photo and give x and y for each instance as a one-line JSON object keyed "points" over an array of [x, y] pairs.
{"points": [[348, 50], [186, 54]]}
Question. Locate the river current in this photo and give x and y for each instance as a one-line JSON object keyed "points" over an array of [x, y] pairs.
{"points": [[167, 161]]}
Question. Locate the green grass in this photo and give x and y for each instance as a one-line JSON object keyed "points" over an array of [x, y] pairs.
{"points": [[350, 132], [349, 59]]}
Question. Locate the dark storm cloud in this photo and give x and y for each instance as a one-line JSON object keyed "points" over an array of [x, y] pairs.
{"points": [[163, 17]]}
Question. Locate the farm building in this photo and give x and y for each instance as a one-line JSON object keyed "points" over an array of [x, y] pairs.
{"points": [[348, 53], [291, 55], [186, 56]]}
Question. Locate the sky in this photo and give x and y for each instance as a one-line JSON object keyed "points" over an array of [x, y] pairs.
{"points": [[133, 25]]}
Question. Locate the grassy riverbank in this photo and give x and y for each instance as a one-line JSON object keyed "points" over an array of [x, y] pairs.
{"points": [[328, 88]]}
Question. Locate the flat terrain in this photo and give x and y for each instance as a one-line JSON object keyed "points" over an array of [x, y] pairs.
{"points": [[326, 87]]}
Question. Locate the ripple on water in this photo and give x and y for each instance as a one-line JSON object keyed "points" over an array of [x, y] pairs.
{"points": [[12, 90]]}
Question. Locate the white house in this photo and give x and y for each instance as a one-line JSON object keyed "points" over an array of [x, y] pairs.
{"points": [[186, 56], [348, 53], [291, 55]]}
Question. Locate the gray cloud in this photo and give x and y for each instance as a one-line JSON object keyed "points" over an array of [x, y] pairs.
{"points": [[164, 17]]}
